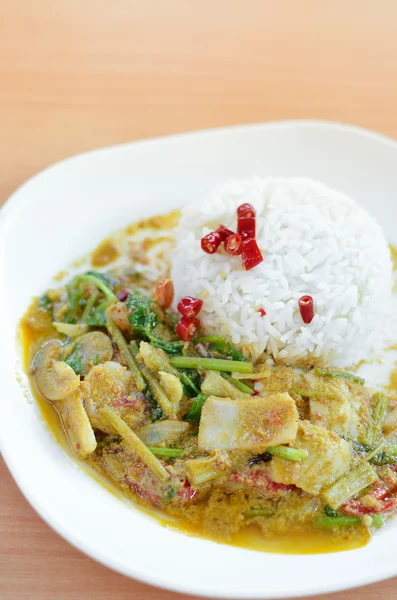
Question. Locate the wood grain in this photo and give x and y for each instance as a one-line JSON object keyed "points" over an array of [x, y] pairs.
{"points": [[77, 75]]}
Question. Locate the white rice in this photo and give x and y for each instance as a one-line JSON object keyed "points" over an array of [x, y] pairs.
{"points": [[314, 241]]}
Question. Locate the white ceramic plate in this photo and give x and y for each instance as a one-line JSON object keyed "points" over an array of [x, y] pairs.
{"points": [[64, 212]]}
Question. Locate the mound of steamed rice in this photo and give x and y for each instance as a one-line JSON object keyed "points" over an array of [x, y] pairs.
{"points": [[314, 241]]}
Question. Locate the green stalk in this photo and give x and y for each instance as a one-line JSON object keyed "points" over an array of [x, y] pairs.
{"points": [[211, 364], [294, 454], [329, 522], [379, 405], [194, 414], [238, 384], [88, 307], [122, 345], [155, 387], [377, 521], [342, 374], [166, 452], [350, 484], [99, 284], [162, 364], [134, 443], [252, 513]]}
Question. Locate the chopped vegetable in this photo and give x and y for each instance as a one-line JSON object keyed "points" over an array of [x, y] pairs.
{"points": [[157, 361], [251, 254], [194, 414], [242, 387], [128, 356], [143, 317], [350, 484], [234, 244], [216, 385], [306, 307], [211, 364], [288, 453], [134, 443], [261, 311], [190, 307], [99, 283], [186, 328], [162, 432], [342, 374], [203, 470], [89, 305], [166, 452], [329, 522], [379, 405], [377, 521], [210, 242], [218, 343]]}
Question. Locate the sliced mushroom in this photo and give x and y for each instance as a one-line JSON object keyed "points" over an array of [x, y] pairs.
{"points": [[54, 378], [88, 350]]}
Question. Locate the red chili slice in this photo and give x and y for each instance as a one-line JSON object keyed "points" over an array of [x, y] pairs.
{"points": [[251, 254], [262, 312], [246, 210], [210, 242], [234, 244], [224, 232], [306, 307], [190, 307], [186, 328], [246, 227]]}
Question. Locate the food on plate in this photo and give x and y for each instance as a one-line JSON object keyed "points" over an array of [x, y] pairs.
{"points": [[208, 367]]}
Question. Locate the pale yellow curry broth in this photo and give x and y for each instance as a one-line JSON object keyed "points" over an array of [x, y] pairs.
{"points": [[243, 506]]}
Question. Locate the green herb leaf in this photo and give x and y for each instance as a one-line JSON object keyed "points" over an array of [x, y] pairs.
{"points": [[143, 317], [156, 412]]}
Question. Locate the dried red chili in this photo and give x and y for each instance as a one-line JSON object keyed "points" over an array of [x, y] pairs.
{"points": [[251, 254], [306, 307], [246, 210], [190, 307], [246, 227], [234, 244], [186, 328], [165, 293], [262, 311], [210, 242]]}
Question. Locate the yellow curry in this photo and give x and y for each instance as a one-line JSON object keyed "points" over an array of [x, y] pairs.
{"points": [[268, 457]]}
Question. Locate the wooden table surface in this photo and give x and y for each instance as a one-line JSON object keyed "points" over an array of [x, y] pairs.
{"points": [[77, 75]]}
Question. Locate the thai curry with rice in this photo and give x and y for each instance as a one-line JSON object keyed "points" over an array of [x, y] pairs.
{"points": [[184, 423]]}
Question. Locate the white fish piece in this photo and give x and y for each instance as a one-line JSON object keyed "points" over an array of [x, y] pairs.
{"points": [[328, 459], [249, 425]]}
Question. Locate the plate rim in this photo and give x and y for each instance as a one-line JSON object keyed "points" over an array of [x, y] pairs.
{"points": [[8, 211]]}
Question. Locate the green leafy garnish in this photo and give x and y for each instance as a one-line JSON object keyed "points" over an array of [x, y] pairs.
{"points": [[156, 412], [45, 302], [143, 318], [75, 361], [194, 414]]}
